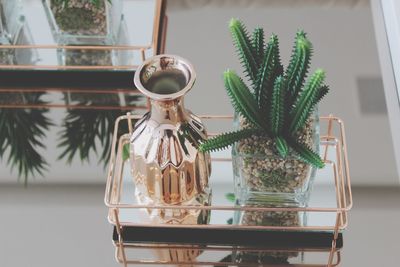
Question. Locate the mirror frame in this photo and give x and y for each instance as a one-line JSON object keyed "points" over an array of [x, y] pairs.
{"points": [[75, 79]]}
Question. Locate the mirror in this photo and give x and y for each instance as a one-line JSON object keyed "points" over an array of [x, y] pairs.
{"points": [[345, 46], [53, 34], [61, 216]]}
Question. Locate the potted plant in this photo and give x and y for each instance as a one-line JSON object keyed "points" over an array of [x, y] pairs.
{"points": [[95, 22], [276, 142], [84, 22]]}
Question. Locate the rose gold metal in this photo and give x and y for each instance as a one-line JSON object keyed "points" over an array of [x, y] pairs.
{"points": [[335, 236], [143, 55], [328, 134], [154, 44], [164, 35], [174, 247], [166, 165], [120, 241], [60, 67], [156, 28], [338, 196], [72, 91], [347, 208], [83, 107], [219, 247], [121, 169], [130, 127], [341, 178], [78, 47]]}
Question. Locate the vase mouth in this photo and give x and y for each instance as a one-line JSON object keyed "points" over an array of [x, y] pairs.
{"points": [[165, 77]]}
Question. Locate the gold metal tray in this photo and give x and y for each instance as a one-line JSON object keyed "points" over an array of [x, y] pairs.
{"points": [[210, 255], [42, 55], [327, 212]]}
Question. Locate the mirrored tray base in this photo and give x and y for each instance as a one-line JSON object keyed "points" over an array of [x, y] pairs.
{"points": [[322, 220], [144, 254]]}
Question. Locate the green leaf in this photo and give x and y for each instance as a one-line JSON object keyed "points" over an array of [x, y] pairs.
{"points": [[306, 101], [307, 155], [224, 140], [230, 197], [125, 152], [242, 99], [277, 60], [258, 44], [323, 91], [277, 112], [265, 81], [85, 132], [245, 49], [298, 65], [281, 146]]}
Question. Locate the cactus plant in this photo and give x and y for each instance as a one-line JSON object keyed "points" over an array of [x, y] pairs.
{"points": [[278, 103]]}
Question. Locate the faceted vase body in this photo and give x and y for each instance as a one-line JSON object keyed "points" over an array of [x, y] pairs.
{"points": [[261, 176], [167, 167]]}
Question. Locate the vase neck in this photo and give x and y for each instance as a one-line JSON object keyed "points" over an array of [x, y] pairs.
{"points": [[171, 111]]}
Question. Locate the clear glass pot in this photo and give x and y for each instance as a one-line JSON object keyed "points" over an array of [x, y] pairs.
{"points": [[81, 22], [262, 176]]}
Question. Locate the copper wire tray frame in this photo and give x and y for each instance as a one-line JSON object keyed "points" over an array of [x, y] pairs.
{"points": [[121, 256], [341, 178], [157, 44]]}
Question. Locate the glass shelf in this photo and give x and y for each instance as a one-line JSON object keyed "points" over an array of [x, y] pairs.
{"points": [[322, 219], [28, 39], [223, 255], [317, 227]]}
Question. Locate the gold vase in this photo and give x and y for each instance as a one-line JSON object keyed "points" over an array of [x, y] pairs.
{"points": [[167, 167]]}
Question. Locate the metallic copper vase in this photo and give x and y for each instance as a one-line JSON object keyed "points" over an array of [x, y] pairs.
{"points": [[167, 167]]}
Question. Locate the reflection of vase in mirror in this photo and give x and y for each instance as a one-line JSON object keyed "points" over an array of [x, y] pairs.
{"points": [[167, 167]]}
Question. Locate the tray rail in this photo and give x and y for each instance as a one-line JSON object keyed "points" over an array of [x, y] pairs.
{"points": [[177, 253], [157, 45], [333, 140]]}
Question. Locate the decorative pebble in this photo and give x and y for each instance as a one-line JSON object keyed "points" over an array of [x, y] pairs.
{"points": [[269, 173], [80, 17]]}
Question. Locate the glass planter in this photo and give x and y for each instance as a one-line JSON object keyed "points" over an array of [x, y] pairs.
{"points": [[13, 31], [80, 22], [262, 176], [267, 258], [86, 57], [11, 20]]}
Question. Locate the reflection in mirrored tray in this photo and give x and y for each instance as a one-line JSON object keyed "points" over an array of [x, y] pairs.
{"points": [[45, 132], [52, 34], [131, 254]]}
